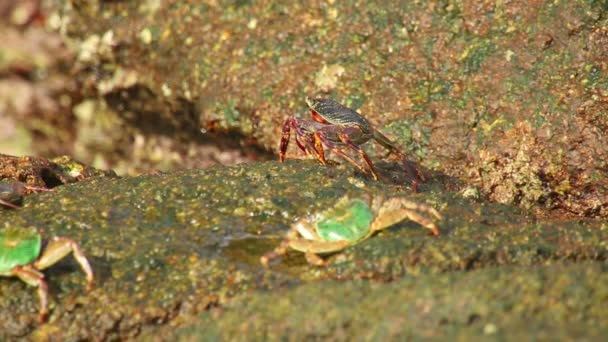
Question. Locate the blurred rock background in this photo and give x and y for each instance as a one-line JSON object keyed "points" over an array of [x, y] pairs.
{"points": [[44, 110]]}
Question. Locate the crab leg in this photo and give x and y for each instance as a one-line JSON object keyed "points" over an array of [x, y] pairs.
{"points": [[317, 247], [397, 209], [319, 148], [385, 142], [287, 126], [402, 213], [305, 140], [314, 147], [314, 247], [423, 221], [58, 248], [329, 144], [35, 188], [412, 171], [8, 204], [301, 145], [344, 138], [280, 250], [34, 278], [285, 139]]}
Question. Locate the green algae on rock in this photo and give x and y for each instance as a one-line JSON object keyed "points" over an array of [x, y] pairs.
{"points": [[555, 301], [37, 172], [167, 247], [464, 87]]}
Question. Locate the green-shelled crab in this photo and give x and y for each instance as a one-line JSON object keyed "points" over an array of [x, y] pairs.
{"points": [[21, 256], [349, 222]]}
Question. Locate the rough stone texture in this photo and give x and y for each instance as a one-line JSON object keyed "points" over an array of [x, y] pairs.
{"points": [[509, 97], [491, 303], [44, 173], [168, 248], [503, 104], [37, 92]]}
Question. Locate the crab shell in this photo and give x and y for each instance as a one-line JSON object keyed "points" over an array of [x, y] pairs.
{"points": [[332, 112], [18, 247]]}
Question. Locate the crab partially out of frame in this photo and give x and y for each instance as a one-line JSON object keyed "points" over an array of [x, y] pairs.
{"points": [[22, 256], [12, 192]]}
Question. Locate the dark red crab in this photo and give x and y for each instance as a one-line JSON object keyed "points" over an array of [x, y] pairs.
{"points": [[339, 129]]}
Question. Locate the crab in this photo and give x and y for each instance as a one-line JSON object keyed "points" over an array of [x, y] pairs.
{"points": [[12, 192], [338, 128], [21, 256], [349, 222]]}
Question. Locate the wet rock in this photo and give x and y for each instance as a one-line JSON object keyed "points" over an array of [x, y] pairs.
{"points": [[169, 247], [550, 301], [44, 173]]}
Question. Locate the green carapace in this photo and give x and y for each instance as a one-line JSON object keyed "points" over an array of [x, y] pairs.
{"points": [[18, 246], [349, 223]]}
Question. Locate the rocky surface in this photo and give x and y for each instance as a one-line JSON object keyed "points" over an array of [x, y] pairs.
{"points": [[166, 248], [509, 97], [502, 104]]}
